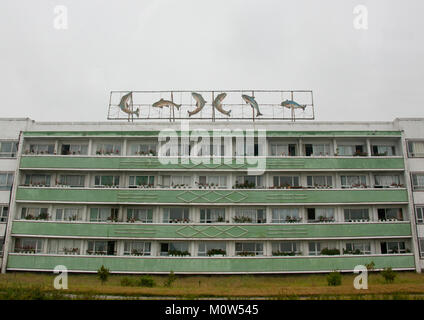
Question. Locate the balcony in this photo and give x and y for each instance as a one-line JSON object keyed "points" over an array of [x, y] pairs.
{"points": [[271, 163], [195, 196], [207, 265], [220, 231]]}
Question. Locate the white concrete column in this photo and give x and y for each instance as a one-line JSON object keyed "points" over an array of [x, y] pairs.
{"points": [[334, 146], [368, 147], [90, 150], [124, 147], [300, 144]]}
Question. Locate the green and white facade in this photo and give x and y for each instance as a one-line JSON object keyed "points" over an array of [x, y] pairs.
{"points": [[333, 195]]}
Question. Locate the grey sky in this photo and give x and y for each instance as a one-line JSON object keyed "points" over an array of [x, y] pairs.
{"points": [[48, 74]]}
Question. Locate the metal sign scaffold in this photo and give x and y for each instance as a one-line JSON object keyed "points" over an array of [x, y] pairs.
{"points": [[212, 105]]}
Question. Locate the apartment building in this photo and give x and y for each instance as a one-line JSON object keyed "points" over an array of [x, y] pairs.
{"points": [[267, 197]]}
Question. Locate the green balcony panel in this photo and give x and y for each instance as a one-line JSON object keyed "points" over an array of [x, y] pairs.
{"points": [[269, 133], [186, 231], [206, 265], [122, 163], [186, 196]]}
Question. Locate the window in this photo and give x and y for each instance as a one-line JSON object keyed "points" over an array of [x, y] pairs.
{"points": [[248, 182], [249, 215], [64, 246], [140, 215], [212, 150], [106, 181], [383, 150], [212, 215], [6, 180], [390, 214], [41, 149], [37, 180], [357, 248], [8, 149], [174, 249], [171, 215], [393, 247], [28, 245], [283, 149], [286, 181], [211, 248], [416, 149], [418, 181], [170, 149], [218, 181], [101, 247], [68, 214], [353, 181], [146, 181], [137, 248], [420, 214], [322, 248], [387, 181], [34, 214], [104, 214], [249, 249], [143, 149], [317, 150], [4, 212], [108, 148], [421, 243], [356, 214], [72, 180], [285, 215], [350, 150], [285, 248], [74, 149], [319, 181], [320, 214], [171, 181]]}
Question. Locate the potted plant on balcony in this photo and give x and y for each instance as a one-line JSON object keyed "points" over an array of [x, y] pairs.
{"points": [[216, 252], [246, 254]]}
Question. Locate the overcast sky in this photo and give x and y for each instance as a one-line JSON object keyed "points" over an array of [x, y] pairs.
{"points": [[62, 75]]}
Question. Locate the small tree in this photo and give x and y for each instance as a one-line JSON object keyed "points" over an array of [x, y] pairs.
{"points": [[334, 278], [388, 274], [171, 279], [103, 274]]}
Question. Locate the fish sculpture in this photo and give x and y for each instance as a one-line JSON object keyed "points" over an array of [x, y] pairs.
{"points": [[217, 103], [292, 105], [250, 100], [165, 103], [200, 103], [124, 104]]}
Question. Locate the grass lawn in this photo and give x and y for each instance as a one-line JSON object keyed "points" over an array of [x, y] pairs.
{"points": [[408, 285]]}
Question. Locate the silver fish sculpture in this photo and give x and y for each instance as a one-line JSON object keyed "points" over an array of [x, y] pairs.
{"points": [[200, 103], [217, 103], [292, 105], [124, 104], [250, 100], [165, 103]]}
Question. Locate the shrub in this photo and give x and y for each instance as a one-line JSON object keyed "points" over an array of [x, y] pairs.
{"points": [[170, 280], [146, 281], [388, 274], [334, 278], [127, 282], [370, 266], [103, 274]]}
